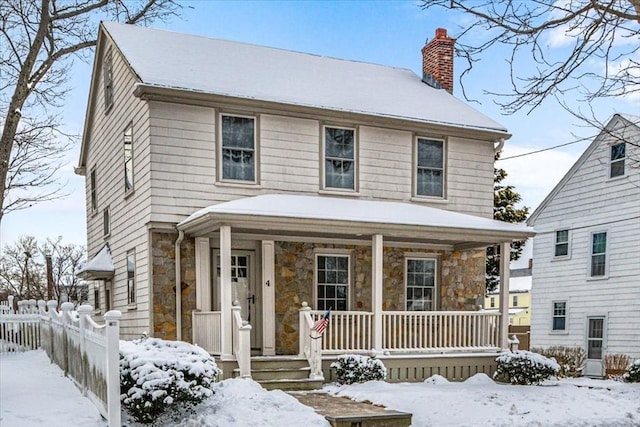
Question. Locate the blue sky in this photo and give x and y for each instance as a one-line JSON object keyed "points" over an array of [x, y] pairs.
{"points": [[384, 32]]}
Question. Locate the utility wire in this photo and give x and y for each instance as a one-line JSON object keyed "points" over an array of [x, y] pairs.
{"points": [[544, 149]]}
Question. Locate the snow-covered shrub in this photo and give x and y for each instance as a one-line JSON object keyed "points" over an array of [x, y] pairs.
{"points": [[355, 368], [156, 375], [570, 359], [633, 372], [524, 367]]}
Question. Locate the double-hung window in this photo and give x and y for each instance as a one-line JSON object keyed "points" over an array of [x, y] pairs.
{"points": [[238, 148], [131, 277], [617, 160], [339, 158], [562, 243], [559, 315], [128, 158], [598, 254], [429, 167], [492, 302], [93, 191], [107, 71], [421, 284], [514, 300], [333, 279], [106, 222]]}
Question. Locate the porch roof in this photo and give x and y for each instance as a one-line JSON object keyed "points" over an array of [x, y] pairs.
{"points": [[98, 267], [347, 218]]}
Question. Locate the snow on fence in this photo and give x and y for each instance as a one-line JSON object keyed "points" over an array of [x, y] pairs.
{"points": [[86, 351]]}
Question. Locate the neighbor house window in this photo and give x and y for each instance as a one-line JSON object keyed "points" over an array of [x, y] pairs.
{"points": [[421, 284], [562, 243], [238, 148], [106, 222], [429, 167], [131, 277], [108, 81], [617, 160], [492, 302], [339, 158], [514, 300], [96, 296], [332, 280], [598, 254], [128, 159], [93, 195], [559, 315]]}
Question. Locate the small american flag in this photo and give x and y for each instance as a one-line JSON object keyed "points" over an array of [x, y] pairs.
{"points": [[322, 323]]}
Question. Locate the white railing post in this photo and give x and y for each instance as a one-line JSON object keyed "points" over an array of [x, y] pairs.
{"points": [[241, 341], [112, 321], [303, 330], [311, 347], [83, 312]]}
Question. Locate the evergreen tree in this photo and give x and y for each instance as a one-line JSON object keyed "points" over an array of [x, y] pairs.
{"points": [[505, 199]]}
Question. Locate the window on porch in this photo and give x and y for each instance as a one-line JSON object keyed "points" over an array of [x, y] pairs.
{"points": [[421, 284], [333, 279]]}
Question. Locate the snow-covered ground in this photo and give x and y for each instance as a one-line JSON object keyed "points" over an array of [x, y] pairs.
{"points": [[33, 392]]}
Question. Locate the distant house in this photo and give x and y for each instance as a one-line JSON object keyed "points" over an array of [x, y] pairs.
{"points": [[222, 175], [586, 270]]}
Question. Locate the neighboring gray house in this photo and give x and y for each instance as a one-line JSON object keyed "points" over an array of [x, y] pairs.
{"points": [[586, 269], [278, 179]]}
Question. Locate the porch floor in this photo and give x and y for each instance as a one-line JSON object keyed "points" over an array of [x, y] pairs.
{"points": [[344, 412]]}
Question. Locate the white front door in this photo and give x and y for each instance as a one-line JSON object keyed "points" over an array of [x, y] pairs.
{"points": [[243, 290], [595, 347]]}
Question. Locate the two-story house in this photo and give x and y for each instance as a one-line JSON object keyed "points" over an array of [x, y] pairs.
{"points": [[586, 269], [234, 188]]}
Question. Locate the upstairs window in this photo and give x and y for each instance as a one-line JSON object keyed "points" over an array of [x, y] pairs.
{"points": [[559, 315], [131, 277], [106, 222], [128, 159], [332, 280], [108, 81], [617, 160], [238, 148], [598, 254], [492, 302], [515, 301], [339, 158], [421, 284], [92, 190], [562, 243], [429, 168]]}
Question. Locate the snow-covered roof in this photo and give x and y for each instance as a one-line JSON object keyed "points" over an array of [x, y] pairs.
{"points": [[98, 267], [195, 63], [354, 211]]}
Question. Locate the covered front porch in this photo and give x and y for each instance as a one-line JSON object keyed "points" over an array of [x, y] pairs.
{"points": [[400, 279]]}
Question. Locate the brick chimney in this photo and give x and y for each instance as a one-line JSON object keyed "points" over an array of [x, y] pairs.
{"points": [[437, 61]]}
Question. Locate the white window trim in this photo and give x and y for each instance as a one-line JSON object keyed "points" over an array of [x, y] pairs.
{"points": [[333, 252], [419, 197], [564, 331], [610, 162], [131, 305], [256, 152], [436, 284], [93, 190], [356, 158], [555, 243], [606, 256], [129, 191]]}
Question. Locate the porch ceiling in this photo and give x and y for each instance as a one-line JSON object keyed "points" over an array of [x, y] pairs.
{"points": [[351, 219]]}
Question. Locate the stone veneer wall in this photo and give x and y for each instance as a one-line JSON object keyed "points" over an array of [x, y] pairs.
{"points": [[461, 283], [163, 278]]}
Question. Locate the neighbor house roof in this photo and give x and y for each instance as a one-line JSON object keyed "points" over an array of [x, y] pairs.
{"points": [[182, 61], [98, 267], [332, 213]]}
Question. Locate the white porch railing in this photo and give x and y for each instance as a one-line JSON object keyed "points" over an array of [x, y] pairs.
{"points": [[241, 342], [436, 330], [347, 330], [310, 345], [206, 327]]}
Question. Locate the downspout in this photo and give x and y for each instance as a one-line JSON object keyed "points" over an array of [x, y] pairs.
{"points": [[498, 148], [178, 287]]}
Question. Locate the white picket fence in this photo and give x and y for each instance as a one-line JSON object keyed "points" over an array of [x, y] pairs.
{"points": [[86, 351]]}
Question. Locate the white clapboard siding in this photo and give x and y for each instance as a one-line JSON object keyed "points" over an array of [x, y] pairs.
{"points": [[590, 202], [128, 212]]}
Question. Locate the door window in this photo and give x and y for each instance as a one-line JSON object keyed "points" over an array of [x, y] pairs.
{"points": [[595, 338]]}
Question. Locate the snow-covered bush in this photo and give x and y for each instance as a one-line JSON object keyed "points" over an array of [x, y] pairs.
{"points": [[156, 375], [633, 372], [570, 359], [355, 368], [524, 367]]}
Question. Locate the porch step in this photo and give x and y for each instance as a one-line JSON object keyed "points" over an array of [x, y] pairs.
{"points": [[300, 384], [282, 372]]}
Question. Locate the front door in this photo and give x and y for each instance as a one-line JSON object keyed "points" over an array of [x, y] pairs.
{"points": [[243, 290], [595, 347]]}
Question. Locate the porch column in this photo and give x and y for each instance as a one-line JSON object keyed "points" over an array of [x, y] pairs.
{"points": [[376, 292], [203, 274], [505, 257], [226, 322], [268, 299]]}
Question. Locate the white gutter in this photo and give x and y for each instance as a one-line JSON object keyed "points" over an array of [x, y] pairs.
{"points": [[178, 287]]}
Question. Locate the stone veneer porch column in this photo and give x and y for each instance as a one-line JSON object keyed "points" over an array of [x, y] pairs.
{"points": [[376, 294]]}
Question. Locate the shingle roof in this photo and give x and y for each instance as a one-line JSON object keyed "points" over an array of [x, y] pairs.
{"points": [[182, 61]]}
